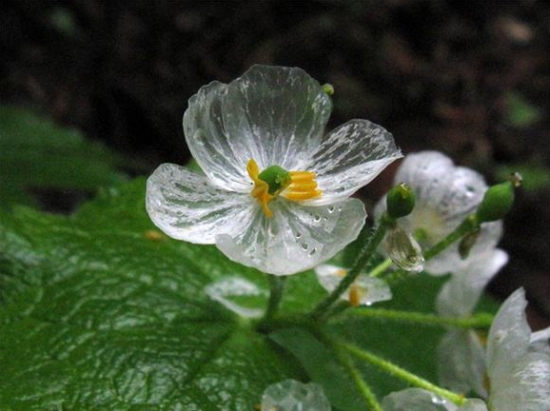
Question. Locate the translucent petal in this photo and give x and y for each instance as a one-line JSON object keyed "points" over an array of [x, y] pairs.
{"points": [[460, 294], [275, 115], [187, 207], [297, 238], [217, 152], [509, 336], [461, 362], [416, 399], [238, 295], [540, 341], [525, 387], [350, 157], [369, 290], [291, 395], [474, 404]]}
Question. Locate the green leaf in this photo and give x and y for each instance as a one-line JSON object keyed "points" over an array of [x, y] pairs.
{"points": [[519, 112], [36, 153], [534, 176], [101, 312]]}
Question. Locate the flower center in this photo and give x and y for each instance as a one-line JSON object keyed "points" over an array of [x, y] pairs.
{"points": [[275, 181]]}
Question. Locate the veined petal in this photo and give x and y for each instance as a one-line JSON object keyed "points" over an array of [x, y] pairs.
{"points": [[460, 294], [509, 336], [275, 115], [524, 387], [296, 238], [461, 362], [350, 157], [186, 206], [217, 152], [416, 399]]}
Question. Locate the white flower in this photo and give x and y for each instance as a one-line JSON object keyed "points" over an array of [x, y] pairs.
{"points": [[461, 354], [365, 290], [518, 369], [445, 195], [275, 192], [290, 395]]}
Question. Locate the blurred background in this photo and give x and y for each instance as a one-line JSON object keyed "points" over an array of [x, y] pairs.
{"points": [[470, 79]]}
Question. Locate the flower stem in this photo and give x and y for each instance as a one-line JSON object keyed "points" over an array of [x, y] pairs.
{"points": [[400, 373], [277, 285], [482, 320], [362, 260], [380, 268], [364, 389]]}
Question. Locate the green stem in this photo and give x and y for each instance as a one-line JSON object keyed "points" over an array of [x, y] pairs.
{"points": [[400, 373], [364, 389], [482, 320], [362, 260], [277, 285], [380, 268]]}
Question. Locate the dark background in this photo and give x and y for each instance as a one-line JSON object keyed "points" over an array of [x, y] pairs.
{"points": [[438, 74]]}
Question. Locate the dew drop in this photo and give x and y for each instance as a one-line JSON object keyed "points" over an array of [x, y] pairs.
{"points": [[298, 235], [316, 218], [304, 246], [331, 209], [313, 251]]}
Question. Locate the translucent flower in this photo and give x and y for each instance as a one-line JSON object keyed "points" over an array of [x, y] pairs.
{"points": [[275, 193], [461, 353], [518, 368], [365, 290], [445, 195], [417, 399], [291, 395]]}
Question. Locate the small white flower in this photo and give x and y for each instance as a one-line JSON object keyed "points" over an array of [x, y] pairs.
{"points": [[461, 354], [290, 395], [518, 369], [445, 196], [365, 290], [275, 192]]}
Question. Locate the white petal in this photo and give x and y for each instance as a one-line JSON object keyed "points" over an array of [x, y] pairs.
{"points": [[509, 335], [228, 290], [416, 399], [290, 395], [350, 157], [276, 115], [187, 207], [370, 289], [461, 362], [526, 387], [540, 341], [296, 238], [217, 152], [474, 404], [460, 294]]}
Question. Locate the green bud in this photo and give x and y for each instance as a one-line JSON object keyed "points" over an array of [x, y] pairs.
{"points": [[277, 178], [497, 202], [328, 88], [400, 201]]}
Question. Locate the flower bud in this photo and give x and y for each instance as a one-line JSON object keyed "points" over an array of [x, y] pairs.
{"points": [[328, 89], [400, 201], [404, 250], [497, 202]]}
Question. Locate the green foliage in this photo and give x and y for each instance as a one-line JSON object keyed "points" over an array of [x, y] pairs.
{"points": [[36, 153], [102, 312], [519, 112], [535, 176]]}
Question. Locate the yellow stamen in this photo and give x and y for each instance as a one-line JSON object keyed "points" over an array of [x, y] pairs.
{"points": [[261, 188], [355, 292], [302, 186]]}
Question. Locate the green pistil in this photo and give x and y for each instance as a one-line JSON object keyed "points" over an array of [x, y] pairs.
{"points": [[277, 178]]}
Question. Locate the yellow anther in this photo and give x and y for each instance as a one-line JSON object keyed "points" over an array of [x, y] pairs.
{"points": [[302, 186], [274, 180], [355, 291]]}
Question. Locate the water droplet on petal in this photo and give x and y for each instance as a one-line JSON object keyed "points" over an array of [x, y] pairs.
{"points": [[298, 235]]}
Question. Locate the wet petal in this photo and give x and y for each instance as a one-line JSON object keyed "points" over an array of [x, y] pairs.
{"points": [[416, 399], [296, 238], [368, 290], [461, 362], [275, 115], [540, 341], [350, 157], [509, 335], [238, 295], [290, 395], [186, 206], [216, 151], [460, 294], [524, 387]]}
